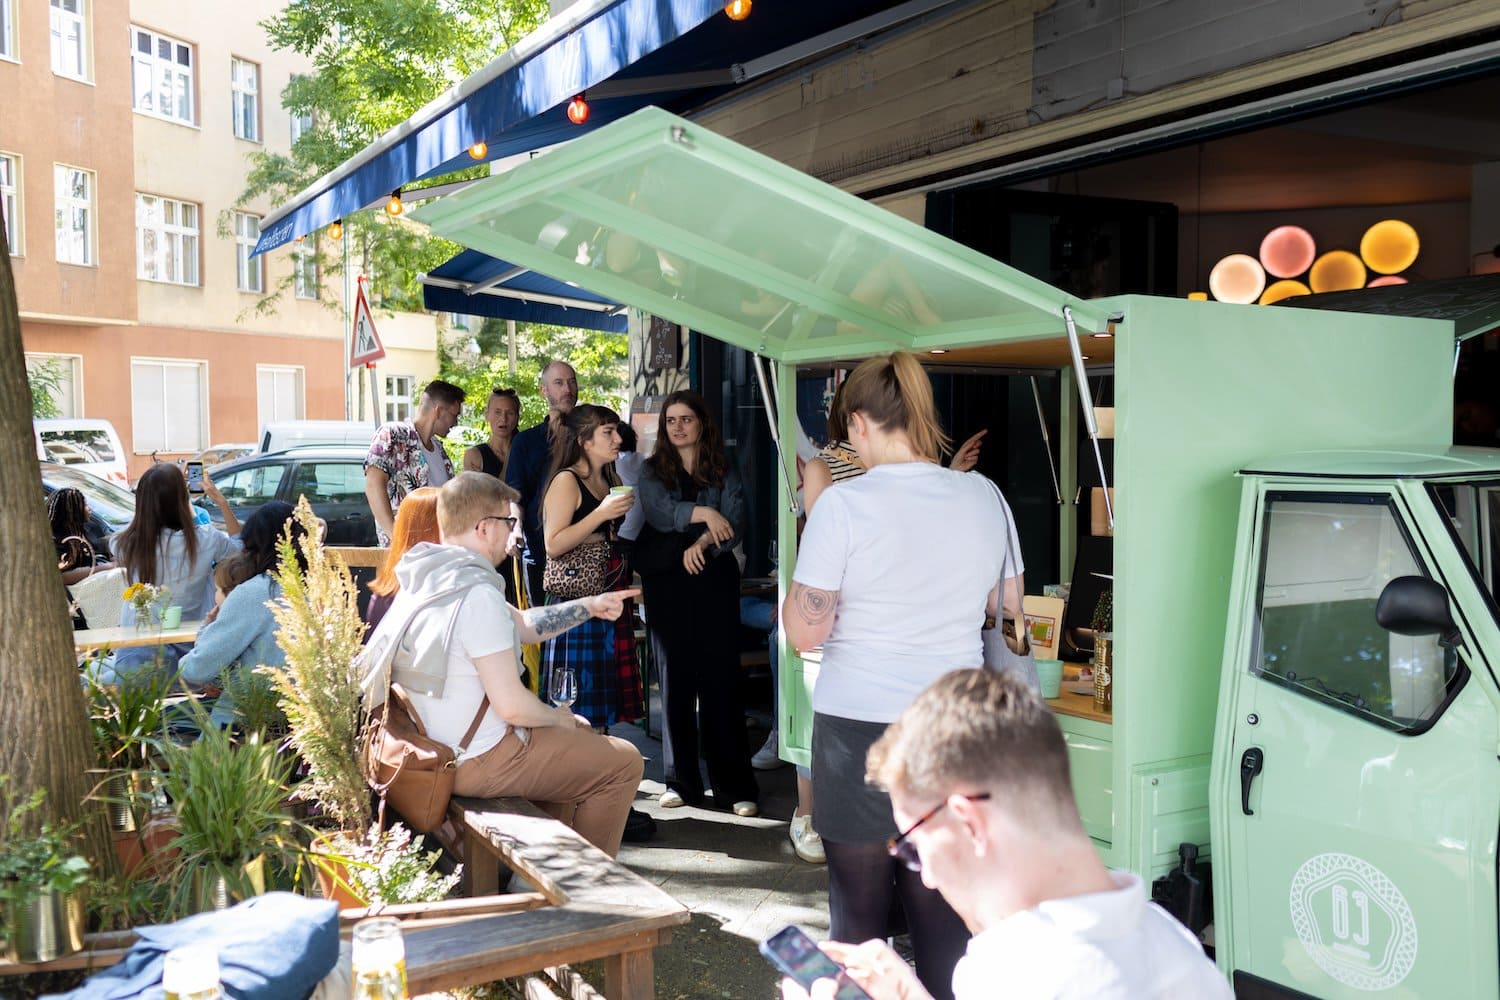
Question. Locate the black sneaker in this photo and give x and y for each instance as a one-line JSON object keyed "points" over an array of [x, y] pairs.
{"points": [[639, 827]]}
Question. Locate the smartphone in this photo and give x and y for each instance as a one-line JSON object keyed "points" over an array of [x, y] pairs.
{"points": [[194, 473], [801, 960]]}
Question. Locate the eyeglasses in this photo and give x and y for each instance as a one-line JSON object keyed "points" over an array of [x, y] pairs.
{"points": [[904, 851], [510, 522]]}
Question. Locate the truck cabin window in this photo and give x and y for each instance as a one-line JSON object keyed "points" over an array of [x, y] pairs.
{"points": [[1324, 563], [1473, 512]]}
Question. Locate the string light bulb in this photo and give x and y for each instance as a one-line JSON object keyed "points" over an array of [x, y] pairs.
{"points": [[478, 150], [578, 110], [336, 231], [737, 10], [394, 207]]}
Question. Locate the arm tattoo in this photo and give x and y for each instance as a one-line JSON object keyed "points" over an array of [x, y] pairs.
{"points": [[816, 606], [555, 619]]}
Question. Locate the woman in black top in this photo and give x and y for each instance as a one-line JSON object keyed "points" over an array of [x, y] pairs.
{"points": [[502, 413], [81, 551], [695, 513]]}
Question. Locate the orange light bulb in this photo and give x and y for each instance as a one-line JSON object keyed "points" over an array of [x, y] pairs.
{"points": [[394, 207], [336, 231], [578, 110], [737, 10], [478, 150]]}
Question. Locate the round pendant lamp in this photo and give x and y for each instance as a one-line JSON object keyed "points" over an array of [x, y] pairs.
{"points": [[1390, 246], [1287, 251], [1284, 289], [1238, 278], [1386, 279], [1337, 271]]}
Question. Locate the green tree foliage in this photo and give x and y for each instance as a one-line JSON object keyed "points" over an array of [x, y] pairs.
{"points": [[598, 358], [375, 63], [45, 378]]}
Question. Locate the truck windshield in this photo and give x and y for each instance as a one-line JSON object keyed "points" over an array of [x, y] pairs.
{"points": [[1473, 511]]}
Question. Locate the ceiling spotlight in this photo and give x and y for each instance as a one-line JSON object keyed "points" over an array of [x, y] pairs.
{"points": [[938, 350]]}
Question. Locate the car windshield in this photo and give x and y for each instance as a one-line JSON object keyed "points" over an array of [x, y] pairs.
{"points": [[1473, 511], [77, 447], [108, 501]]}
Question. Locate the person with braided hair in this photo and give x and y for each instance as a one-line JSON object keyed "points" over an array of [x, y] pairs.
{"points": [[80, 550]]}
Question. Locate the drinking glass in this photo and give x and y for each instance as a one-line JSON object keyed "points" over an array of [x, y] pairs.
{"points": [[563, 686], [379, 960]]}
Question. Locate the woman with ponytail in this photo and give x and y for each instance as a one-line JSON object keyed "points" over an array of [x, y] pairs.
{"points": [[896, 572]]}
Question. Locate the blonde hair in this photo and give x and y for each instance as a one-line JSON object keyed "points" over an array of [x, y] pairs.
{"points": [[894, 393], [466, 498]]}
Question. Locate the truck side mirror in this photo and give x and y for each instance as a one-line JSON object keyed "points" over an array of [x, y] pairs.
{"points": [[1416, 605]]}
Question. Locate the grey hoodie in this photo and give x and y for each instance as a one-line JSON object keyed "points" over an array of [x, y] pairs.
{"points": [[412, 639]]}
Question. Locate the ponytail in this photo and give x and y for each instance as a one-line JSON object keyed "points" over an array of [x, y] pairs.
{"points": [[894, 392]]}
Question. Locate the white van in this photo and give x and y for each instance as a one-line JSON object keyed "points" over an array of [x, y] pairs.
{"points": [[89, 445], [281, 435]]}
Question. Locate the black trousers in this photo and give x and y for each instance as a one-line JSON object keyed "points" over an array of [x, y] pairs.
{"points": [[697, 619]]}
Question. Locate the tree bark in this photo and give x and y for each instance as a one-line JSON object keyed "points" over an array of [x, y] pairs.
{"points": [[45, 739]]}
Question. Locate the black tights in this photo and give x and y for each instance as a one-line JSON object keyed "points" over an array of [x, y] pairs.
{"points": [[864, 881]]}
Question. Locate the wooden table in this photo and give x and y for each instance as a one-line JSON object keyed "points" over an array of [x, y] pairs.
{"points": [[125, 636]]}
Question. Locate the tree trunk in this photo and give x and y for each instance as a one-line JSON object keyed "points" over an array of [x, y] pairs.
{"points": [[45, 739]]}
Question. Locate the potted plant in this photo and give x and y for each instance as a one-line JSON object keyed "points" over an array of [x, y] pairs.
{"points": [[42, 881], [128, 720], [229, 801]]}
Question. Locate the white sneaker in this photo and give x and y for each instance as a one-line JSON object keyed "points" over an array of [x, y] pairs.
{"points": [[670, 799], [806, 842], [746, 808], [766, 758]]}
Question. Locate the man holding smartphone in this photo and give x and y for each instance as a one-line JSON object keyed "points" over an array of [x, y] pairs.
{"points": [[977, 772]]}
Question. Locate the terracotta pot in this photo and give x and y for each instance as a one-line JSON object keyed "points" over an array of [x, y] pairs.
{"points": [[147, 851], [333, 876]]}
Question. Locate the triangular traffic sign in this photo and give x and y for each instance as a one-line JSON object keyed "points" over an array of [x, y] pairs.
{"points": [[364, 346]]}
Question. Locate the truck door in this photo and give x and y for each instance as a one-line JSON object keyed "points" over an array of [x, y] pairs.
{"points": [[1360, 789]]}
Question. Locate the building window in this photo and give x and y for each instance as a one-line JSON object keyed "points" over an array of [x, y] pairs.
{"points": [[8, 29], [74, 188], [244, 81], [278, 393], [398, 397], [168, 405], [10, 200], [305, 271], [166, 240], [61, 376], [301, 124], [162, 70], [249, 272], [70, 38]]}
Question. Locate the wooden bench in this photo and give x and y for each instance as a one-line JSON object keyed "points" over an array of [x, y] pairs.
{"points": [[598, 908]]}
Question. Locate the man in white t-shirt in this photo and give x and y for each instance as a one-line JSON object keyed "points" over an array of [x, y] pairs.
{"points": [[977, 771], [450, 639]]}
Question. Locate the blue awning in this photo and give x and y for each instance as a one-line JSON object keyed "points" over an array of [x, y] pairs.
{"points": [[625, 54], [476, 284]]}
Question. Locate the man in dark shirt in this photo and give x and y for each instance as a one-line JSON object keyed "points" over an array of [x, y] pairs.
{"points": [[530, 458]]}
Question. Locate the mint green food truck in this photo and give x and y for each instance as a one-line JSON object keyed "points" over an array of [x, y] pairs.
{"points": [[1305, 646]]}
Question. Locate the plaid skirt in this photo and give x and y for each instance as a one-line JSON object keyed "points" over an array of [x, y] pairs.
{"points": [[603, 655]]}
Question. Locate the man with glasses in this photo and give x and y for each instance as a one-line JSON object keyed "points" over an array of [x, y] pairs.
{"points": [[408, 454], [977, 771], [450, 640], [526, 470]]}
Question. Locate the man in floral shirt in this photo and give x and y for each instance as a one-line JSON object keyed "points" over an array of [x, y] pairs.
{"points": [[407, 455]]}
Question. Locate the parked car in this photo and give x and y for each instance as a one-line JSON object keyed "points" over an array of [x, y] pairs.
{"points": [[218, 454], [332, 479], [111, 508], [284, 434], [90, 445]]}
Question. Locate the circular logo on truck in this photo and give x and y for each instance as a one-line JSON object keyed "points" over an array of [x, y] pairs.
{"points": [[1353, 921]]}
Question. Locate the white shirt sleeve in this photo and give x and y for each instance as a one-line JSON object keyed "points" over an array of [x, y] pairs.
{"points": [[824, 553], [485, 624]]}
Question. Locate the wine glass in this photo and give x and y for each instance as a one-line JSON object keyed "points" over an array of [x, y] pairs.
{"points": [[563, 685]]}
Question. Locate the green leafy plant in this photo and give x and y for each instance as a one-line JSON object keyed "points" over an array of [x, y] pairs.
{"points": [[388, 866], [319, 628], [128, 719], [230, 804], [38, 859], [257, 706]]}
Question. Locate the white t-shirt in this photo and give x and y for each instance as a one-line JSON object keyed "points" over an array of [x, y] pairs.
{"points": [[914, 550], [1102, 946], [484, 627], [437, 469]]}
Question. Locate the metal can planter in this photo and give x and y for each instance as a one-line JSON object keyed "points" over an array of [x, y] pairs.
{"points": [[1104, 673], [47, 926], [214, 891]]}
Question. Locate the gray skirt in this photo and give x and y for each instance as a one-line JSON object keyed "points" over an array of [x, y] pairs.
{"points": [[846, 810]]}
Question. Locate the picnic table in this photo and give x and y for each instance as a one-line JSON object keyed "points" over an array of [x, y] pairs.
{"points": [[124, 636]]}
